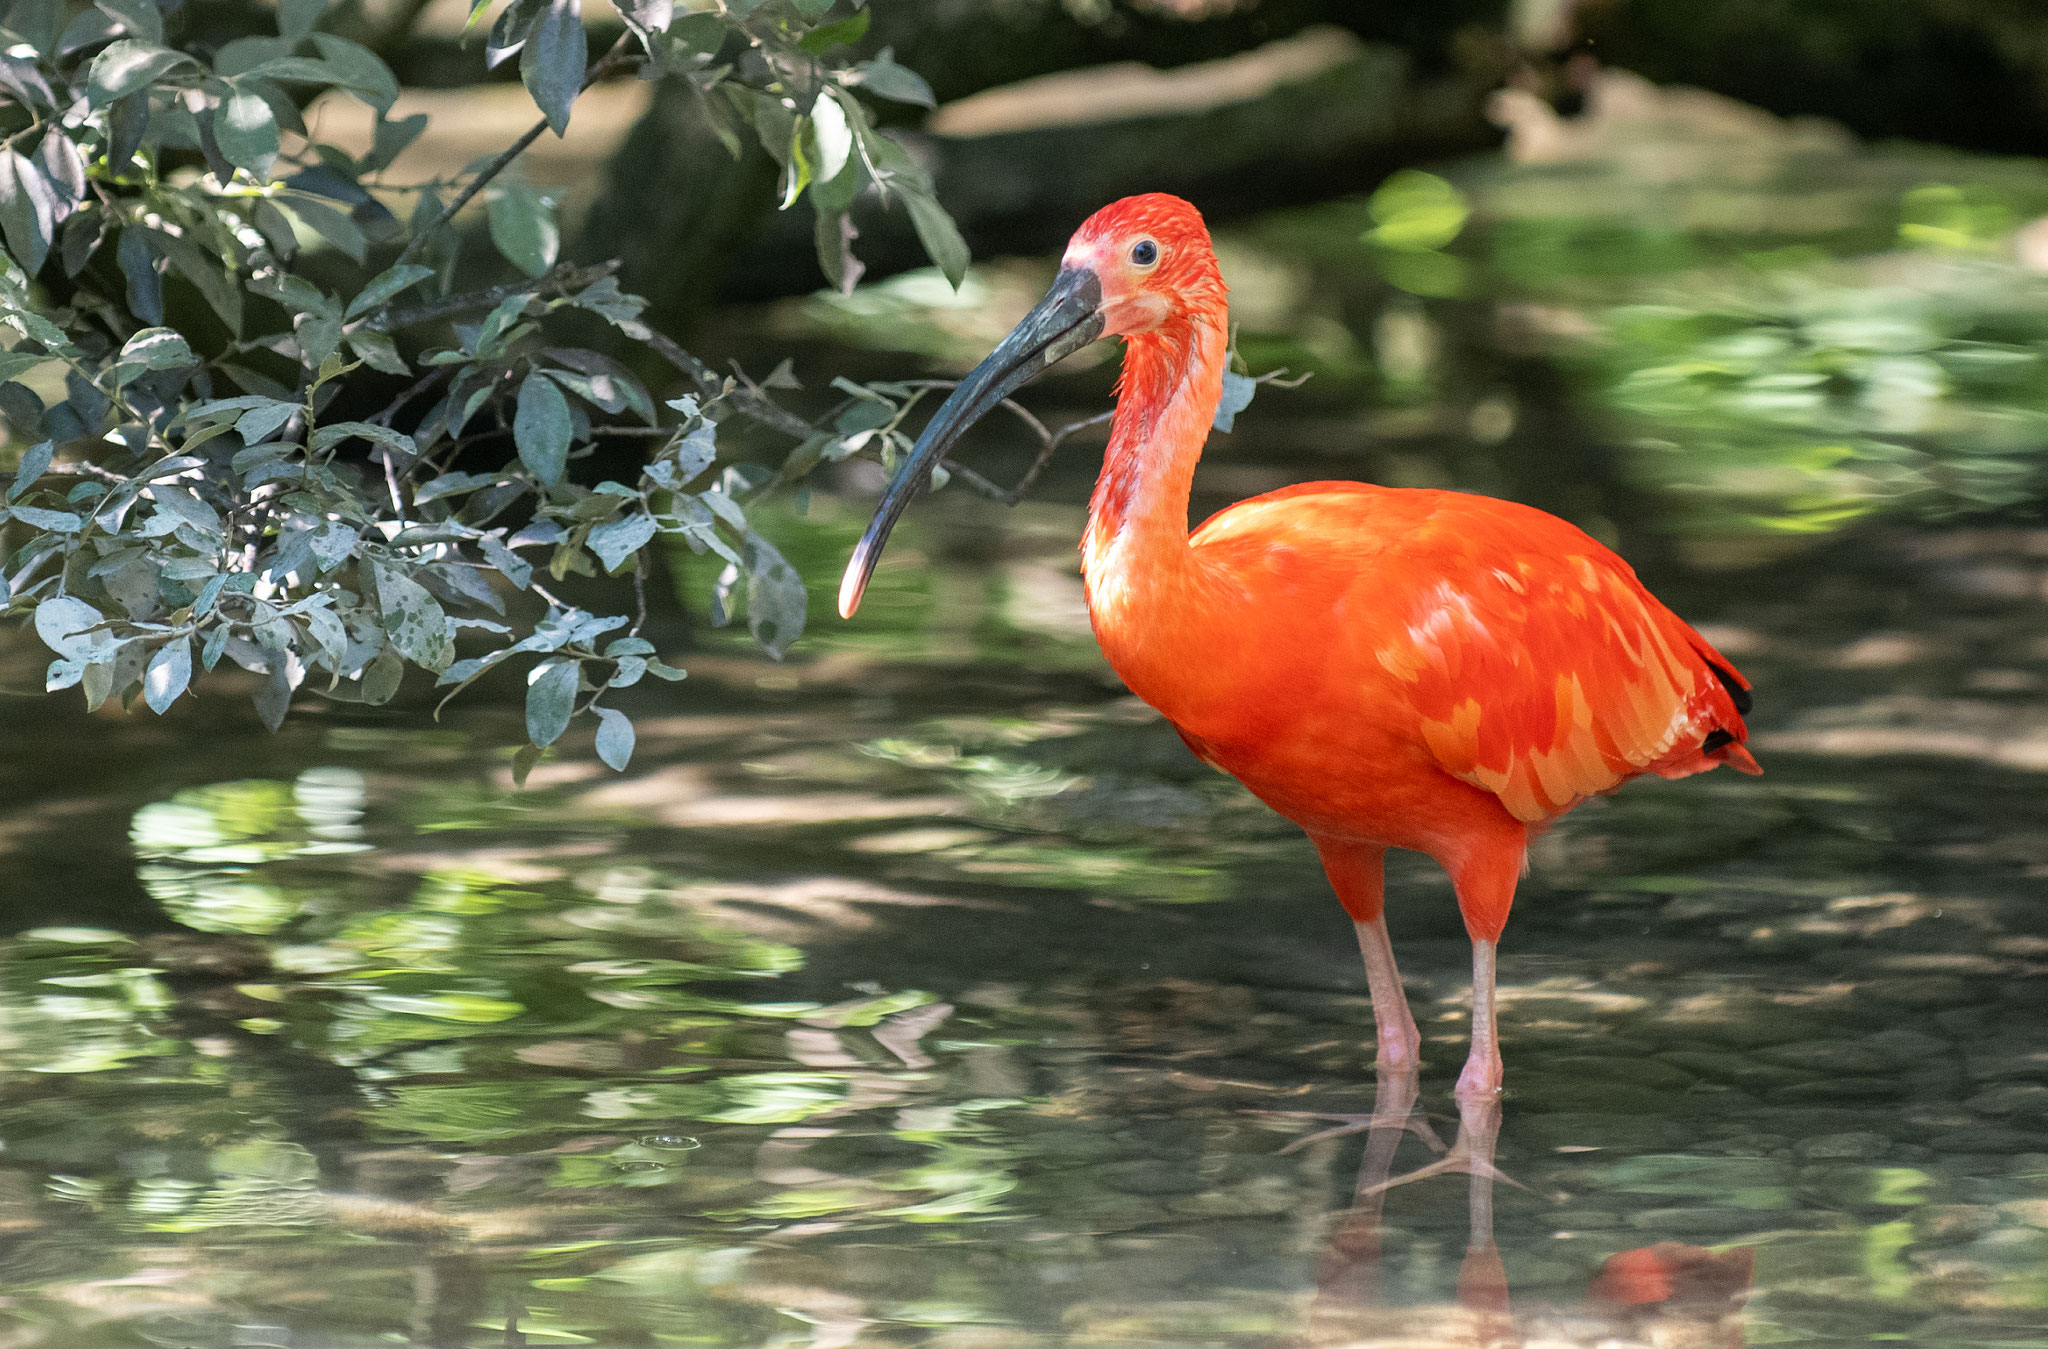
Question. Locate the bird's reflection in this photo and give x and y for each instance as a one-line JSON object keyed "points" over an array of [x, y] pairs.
{"points": [[1667, 1294]]}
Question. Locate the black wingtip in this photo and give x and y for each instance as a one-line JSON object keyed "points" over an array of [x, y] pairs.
{"points": [[1737, 694]]}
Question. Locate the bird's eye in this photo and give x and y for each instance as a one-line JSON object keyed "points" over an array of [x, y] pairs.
{"points": [[1145, 253]]}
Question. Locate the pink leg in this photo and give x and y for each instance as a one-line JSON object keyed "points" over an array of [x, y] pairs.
{"points": [[1400, 1043], [1482, 1076], [1357, 872], [1485, 880]]}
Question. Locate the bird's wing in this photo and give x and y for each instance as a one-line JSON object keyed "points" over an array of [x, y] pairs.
{"points": [[1540, 669]]}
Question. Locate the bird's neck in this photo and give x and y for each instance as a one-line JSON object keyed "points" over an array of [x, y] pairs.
{"points": [[1138, 518]]}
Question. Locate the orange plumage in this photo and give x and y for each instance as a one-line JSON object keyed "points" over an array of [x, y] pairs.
{"points": [[1387, 668]]}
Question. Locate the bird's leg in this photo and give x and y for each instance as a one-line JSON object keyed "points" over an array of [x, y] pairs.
{"points": [[1358, 873], [1482, 1076], [1485, 879], [1400, 1044]]}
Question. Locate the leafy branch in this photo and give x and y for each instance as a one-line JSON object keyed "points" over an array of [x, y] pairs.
{"points": [[194, 491]]}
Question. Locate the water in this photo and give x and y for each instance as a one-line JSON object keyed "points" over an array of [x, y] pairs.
{"points": [[925, 991], [914, 994]]}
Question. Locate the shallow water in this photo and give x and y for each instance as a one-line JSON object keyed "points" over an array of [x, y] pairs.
{"points": [[925, 991]]}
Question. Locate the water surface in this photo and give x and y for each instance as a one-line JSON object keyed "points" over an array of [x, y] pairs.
{"points": [[910, 993]]}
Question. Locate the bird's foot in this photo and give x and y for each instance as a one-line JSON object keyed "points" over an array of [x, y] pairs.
{"points": [[1462, 1160], [1408, 1120]]}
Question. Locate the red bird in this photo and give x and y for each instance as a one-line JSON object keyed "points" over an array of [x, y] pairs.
{"points": [[1387, 668]]}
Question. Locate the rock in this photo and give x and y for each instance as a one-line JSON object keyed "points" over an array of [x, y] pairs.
{"points": [[1151, 1177], [2028, 1099], [1260, 1197], [1832, 1089], [1944, 1224], [1902, 1043], [2025, 1212], [1864, 1186], [1576, 1129], [1843, 1057], [1852, 1147], [1670, 1223], [1989, 1138], [1632, 1071], [1934, 990], [1740, 1070], [1586, 1219]]}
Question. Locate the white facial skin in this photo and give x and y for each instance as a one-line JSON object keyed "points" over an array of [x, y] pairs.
{"points": [[1127, 305]]}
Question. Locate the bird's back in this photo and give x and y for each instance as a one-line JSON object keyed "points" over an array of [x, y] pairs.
{"points": [[1511, 650]]}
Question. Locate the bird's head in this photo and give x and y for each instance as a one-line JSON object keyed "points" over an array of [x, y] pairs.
{"points": [[1138, 267]]}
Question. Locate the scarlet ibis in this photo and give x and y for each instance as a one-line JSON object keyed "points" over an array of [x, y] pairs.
{"points": [[1387, 668]]}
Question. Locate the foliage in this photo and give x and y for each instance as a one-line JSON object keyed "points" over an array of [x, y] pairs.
{"points": [[206, 307]]}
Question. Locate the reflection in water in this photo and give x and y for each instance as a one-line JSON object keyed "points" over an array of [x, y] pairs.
{"points": [[1666, 1294]]}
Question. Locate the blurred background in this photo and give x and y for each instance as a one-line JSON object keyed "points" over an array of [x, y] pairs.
{"points": [[921, 989]]}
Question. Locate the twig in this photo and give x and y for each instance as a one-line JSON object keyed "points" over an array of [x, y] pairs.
{"points": [[425, 382], [1049, 441], [74, 471], [616, 56], [711, 385], [563, 277]]}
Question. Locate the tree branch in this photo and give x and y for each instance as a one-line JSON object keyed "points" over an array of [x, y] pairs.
{"points": [[599, 68], [562, 277], [711, 384]]}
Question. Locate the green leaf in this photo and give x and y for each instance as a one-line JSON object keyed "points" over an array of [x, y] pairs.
{"points": [[318, 336], [34, 460], [246, 130], [139, 18], [387, 284], [541, 427], [418, 627], [61, 622], [336, 227], [1416, 212], [844, 33], [334, 433], [296, 18], [939, 235], [552, 62], [264, 416], [550, 699], [775, 598], [523, 228], [170, 670], [211, 277], [130, 65], [57, 522], [515, 568], [359, 70], [883, 78], [833, 133], [145, 282], [392, 139], [833, 234], [378, 351], [615, 542], [27, 210], [614, 738], [151, 349]]}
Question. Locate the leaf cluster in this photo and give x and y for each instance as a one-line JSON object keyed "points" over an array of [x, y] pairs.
{"points": [[197, 295]]}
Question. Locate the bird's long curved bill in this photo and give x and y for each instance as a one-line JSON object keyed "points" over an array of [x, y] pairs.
{"points": [[1066, 320]]}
